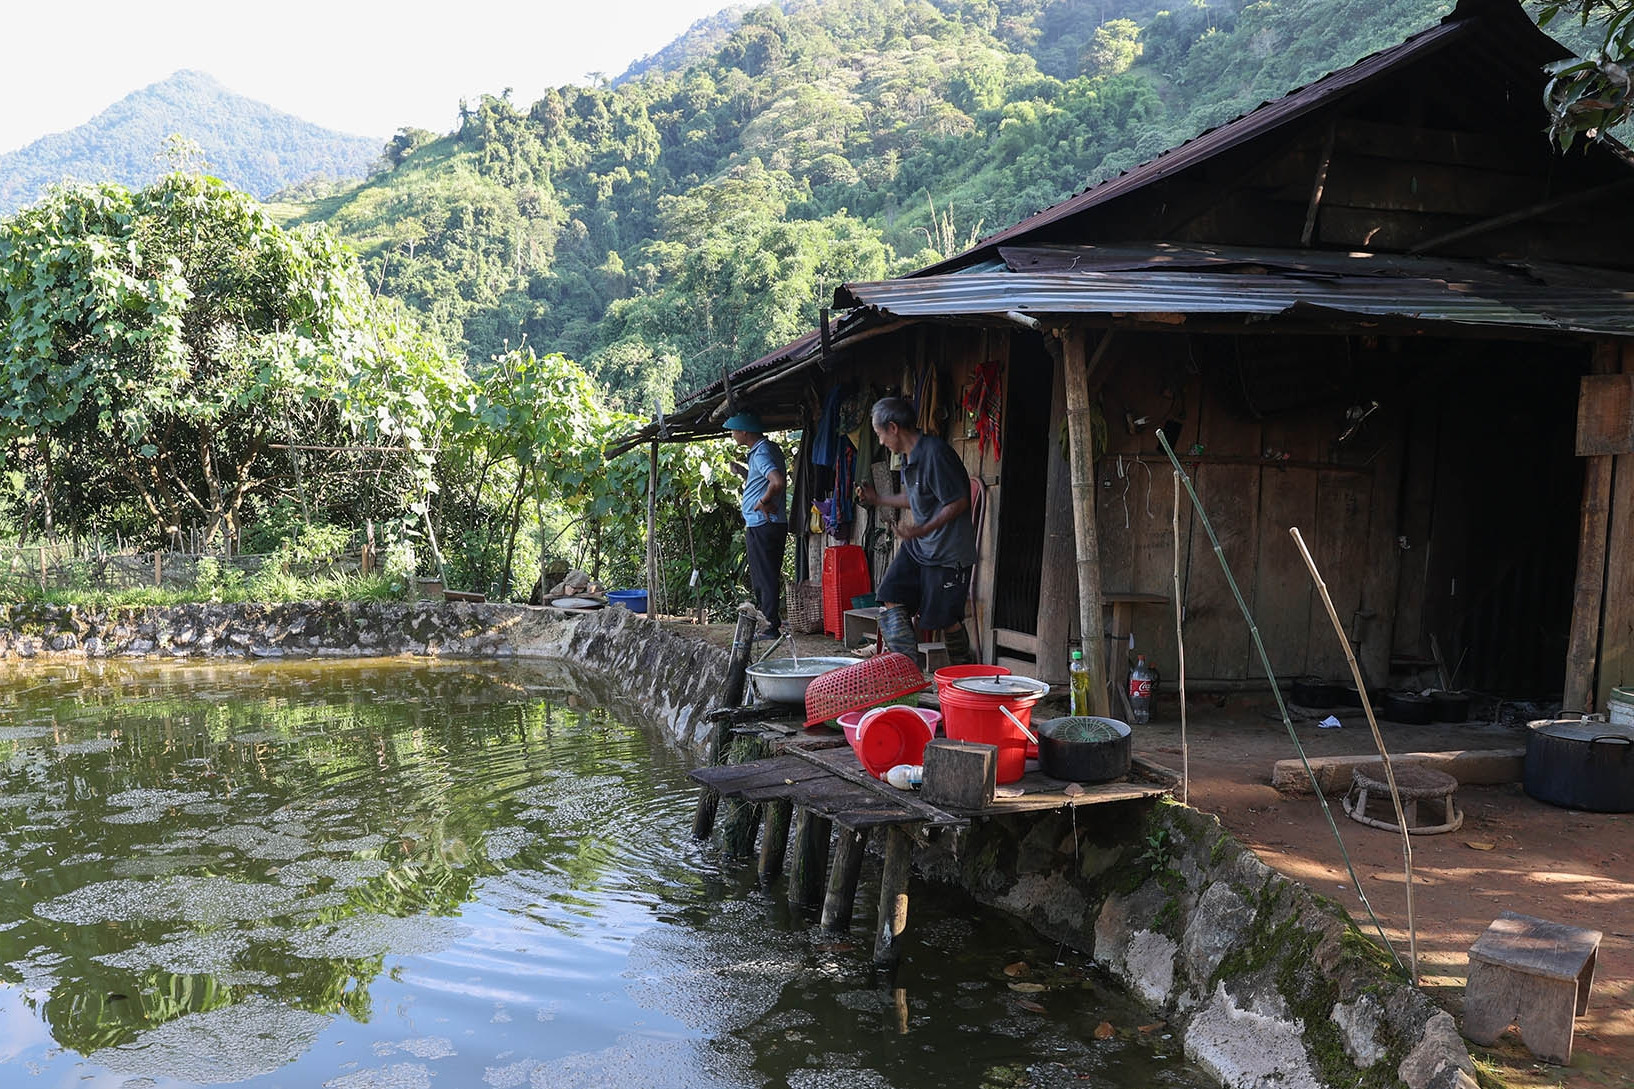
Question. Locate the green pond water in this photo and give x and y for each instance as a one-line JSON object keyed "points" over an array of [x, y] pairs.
{"points": [[392, 874]]}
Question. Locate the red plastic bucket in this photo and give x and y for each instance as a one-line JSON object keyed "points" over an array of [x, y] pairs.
{"points": [[948, 674], [971, 716]]}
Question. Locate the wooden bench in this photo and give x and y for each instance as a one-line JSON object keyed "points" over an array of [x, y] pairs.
{"points": [[1534, 974]]}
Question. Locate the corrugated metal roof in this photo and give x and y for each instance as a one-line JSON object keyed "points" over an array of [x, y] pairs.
{"points": [[1511, 305]]}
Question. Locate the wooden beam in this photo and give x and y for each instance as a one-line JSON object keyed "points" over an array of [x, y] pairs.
{"points": [[1316, 189], [1057, 588], [893, 896], [1588, 594], [1617, 623], [1528, 212], [841, 897], [1081, 447]]}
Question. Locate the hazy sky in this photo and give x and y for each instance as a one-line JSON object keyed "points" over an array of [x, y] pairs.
{"points": [[360, 66]]}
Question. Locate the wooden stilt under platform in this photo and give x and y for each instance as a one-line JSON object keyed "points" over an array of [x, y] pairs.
{"points": [[820, 786]]}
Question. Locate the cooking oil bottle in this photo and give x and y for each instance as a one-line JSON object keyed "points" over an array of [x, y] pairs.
{"points": [[1079, 677]]}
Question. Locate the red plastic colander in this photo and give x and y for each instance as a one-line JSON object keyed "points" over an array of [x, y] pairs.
{"points": [[876, 680]]}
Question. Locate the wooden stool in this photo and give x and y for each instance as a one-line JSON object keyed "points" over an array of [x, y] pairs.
{"points": [[1415, 784], [1534, 974]]}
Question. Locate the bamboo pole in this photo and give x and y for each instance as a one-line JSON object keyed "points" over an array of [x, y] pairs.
{"points": [[1276, 692], [652, 529], [1081, 444], [1378, 740], [1180, 650]]}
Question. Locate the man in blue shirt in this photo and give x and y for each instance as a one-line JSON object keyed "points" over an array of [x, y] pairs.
{"points": [[765, 515], [930, 576]]}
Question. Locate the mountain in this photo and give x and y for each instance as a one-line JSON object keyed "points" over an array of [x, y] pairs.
{"points": [[247, 143], [699, 211]]}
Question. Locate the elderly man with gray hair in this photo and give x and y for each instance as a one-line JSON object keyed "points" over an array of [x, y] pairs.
{"points": [[930, 577]]}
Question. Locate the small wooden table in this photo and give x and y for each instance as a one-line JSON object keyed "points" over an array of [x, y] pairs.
{"points": [[1117, 642], [1532, 973]]}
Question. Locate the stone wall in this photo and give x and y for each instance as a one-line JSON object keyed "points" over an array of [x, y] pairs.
{"points": [[1268, 983], [668, 677]]}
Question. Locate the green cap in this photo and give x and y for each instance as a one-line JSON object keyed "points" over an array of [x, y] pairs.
{"points": [[1077, 654]]}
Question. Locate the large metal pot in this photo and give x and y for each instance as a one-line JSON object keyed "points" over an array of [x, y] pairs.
{"points": [[784, 680], [1084, 749], [1581, 764]]}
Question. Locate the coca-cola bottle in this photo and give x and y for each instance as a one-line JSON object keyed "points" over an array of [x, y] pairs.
{"points": [[1142, 687]]}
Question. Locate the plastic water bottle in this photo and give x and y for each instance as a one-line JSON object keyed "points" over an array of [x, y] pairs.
{"points": [[1078, 676], [906, 776], [1142, 686]]}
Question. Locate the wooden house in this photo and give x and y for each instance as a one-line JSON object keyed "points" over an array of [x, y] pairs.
{"points": [[1384, 309]]}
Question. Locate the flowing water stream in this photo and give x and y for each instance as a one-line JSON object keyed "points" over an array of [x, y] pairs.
{"points": [[393, 874]]}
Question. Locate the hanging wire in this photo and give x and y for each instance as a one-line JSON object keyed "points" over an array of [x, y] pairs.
{"points": [[1282, 707]]}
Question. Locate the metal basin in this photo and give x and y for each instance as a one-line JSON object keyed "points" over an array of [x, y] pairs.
{"points": [[784, 680]]}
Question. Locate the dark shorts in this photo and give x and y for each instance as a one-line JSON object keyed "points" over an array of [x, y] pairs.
{"points": [[936, 595]]}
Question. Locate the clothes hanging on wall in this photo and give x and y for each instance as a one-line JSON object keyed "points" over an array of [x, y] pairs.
{"points": [[825, 441], [983, 403]]}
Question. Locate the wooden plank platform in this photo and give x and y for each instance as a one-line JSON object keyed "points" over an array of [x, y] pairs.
{"points": [[831, 782]]}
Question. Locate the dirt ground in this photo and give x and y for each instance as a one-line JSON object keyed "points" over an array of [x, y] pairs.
{"points": [[1512, 853]]}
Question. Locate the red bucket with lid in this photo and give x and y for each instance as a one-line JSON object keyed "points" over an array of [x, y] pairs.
{"points": [[970, 712], [948, 674]]}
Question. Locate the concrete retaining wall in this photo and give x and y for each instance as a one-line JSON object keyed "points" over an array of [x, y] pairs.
{"points": [[668, 677]]}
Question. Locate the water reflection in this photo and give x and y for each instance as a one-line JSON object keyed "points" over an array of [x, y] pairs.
{"points": [[384, 873]]}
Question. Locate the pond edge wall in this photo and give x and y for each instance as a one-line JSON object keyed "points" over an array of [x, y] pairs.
{"points": [[1267, 983]]}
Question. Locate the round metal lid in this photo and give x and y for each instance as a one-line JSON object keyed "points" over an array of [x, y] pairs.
{"points": [[1586, 729], [1002, 686], [576, 603]]}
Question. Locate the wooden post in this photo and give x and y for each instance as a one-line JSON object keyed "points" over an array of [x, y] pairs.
{"points": [[1057, 587], [893, 896], [1081, 447], [774, 841], [42, 568], [810, 857], [1583, 647], [703, 818], [849, 848], [742, 819], [652, 531], [158, 567]]}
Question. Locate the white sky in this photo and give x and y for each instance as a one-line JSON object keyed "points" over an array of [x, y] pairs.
{"points": [[360, 66]]}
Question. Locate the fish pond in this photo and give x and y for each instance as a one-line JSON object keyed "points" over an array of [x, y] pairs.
{"points": [[397, 874]]}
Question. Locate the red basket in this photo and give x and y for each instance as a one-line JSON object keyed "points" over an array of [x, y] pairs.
{"points": [[876, 680], [845, 576]]}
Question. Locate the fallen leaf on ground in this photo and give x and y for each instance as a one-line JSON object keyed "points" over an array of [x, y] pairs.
{"points": [[1153, 1027], [1019, 968], [1103, 1031], [1028, 988], [1479, 845], [1029, 1004]]}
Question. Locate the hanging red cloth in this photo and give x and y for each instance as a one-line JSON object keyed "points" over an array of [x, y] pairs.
{"points": [[983, 401]]}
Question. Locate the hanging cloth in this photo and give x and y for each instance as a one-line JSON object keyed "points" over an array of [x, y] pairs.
{"points": [[927, 398], [983, 402], [825, 441]]}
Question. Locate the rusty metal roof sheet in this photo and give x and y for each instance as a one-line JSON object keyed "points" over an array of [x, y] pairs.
{"points": [[1498, 302]]}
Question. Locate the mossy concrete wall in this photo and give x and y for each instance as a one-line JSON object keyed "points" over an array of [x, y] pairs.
{"points": [[1268, 984], [668, 677]]}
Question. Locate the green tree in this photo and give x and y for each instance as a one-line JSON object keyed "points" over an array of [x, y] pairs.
{"points": [[161, 339]]}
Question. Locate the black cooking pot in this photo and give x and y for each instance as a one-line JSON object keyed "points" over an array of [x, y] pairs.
{"points": [[1314, 692], [1409, 709], [1581, 764], [1450, 706], [1077, 749]]}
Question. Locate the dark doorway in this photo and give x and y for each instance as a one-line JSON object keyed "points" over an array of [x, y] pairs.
{"points": [[1022, 482]]}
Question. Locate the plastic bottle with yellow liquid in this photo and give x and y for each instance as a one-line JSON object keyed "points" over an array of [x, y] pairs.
{"points": [[1078, 674]]}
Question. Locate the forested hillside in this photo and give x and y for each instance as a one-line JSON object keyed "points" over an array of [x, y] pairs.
{"points": [[247, 143], [697, 212]]}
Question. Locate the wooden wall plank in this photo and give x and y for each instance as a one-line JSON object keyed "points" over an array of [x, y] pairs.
{"points": [[1382, 569], [1282, 594], [1339, 542], [1617, 629], [1217, 639]]}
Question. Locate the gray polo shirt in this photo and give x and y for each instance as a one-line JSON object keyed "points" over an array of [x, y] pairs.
{"points": [[934, 477]]}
